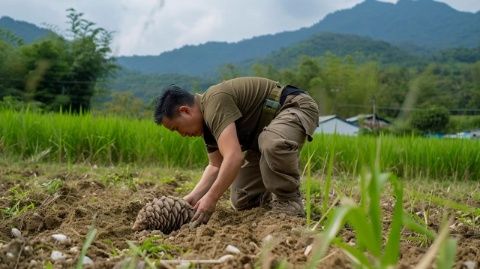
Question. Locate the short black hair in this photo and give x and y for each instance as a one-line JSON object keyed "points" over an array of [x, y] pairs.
{"points": [[172, 97]]}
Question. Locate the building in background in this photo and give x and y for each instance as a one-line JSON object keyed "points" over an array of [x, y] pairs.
{"points": [[369, 121], [332, 124]]}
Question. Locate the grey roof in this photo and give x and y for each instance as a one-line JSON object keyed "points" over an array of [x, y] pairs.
{"points": [[323, 119], [364, 116]]}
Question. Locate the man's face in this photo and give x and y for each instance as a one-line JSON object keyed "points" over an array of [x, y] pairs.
{"points": [[188, 122]]}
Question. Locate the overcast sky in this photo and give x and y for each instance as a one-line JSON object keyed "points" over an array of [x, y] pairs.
{"points": [[149, 27]]}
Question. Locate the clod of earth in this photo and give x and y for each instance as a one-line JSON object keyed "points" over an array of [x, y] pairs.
{"points": [[166, 214]]}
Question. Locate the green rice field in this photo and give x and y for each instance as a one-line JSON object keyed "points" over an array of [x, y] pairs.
{"points": [[113, 140]]}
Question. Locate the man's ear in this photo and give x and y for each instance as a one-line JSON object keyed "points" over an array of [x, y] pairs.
{"points": [[184, 109]]}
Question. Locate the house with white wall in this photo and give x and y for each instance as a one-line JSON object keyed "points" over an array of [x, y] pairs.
{"points": [[332, 124]]}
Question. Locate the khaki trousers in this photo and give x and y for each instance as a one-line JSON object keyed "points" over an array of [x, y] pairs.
{"points": [[274, 169]]}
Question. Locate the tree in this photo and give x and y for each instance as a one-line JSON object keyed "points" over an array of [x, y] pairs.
{"points": [[90, 59], [59, 73], [432, 119]]}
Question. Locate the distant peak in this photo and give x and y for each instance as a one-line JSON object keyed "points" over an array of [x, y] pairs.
{"points": [[6, 18]]}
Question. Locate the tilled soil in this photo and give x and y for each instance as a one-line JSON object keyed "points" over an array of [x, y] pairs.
{"points": [[262, 238]]}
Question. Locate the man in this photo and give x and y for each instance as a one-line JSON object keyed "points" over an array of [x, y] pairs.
{"points": [[253, 130]]}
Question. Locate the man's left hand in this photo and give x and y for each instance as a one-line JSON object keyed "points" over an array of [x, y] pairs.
{"points": [[204, 209]]}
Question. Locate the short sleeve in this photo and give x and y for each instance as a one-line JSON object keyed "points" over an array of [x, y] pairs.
{"points": [[220, 111]]}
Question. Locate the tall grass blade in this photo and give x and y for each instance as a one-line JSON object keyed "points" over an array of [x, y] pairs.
{"points": [[88, 241], [392, 248], [328, 179], [354, 254], [446, 255], [412, 225], [364, 231], [336, 222], [434, 249]]}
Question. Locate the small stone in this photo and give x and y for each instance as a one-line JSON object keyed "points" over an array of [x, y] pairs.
{"points": [[232, 249], [10, 255], [28, 249], [225, 258], [74, 250], [61, 238], [470, 264], [308, 249], [16, 233], [57, 255], [87, 261], [33, 262], [267, 238]]}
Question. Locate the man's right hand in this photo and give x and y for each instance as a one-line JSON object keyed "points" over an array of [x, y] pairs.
{"points": [[192, 198]]}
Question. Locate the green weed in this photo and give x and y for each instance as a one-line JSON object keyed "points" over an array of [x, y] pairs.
{"points": [[19, 201], [53, 185], [123, 178]]}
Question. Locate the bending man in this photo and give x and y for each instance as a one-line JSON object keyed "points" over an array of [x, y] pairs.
{"points": [[253, 130]]}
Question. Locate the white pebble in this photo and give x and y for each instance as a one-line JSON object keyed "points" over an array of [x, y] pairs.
{"points": [[28, 249], [267, 238], [74, 250], [225, 258], [87, 261], [470, 264], [33, 262], [16, 233], [10, 255], [57, 255], [60, 238], [308, 249], [232, 249]]}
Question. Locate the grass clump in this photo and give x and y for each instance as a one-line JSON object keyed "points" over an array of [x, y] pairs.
{"points": [[19, 202], [52, 186]]}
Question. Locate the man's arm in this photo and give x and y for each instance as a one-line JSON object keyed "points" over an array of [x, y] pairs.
{"points": [[231, 151], [208, 177]]}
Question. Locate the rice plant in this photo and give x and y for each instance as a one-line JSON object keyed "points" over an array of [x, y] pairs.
{"points": [[366, 218], [87, 138]]}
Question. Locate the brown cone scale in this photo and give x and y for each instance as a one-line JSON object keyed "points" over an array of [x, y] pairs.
{"points": [[166, 214]]}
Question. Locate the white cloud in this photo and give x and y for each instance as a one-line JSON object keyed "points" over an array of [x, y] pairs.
{"points": [[153, 26]]}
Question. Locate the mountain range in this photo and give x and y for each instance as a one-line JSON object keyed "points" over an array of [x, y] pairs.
{"points": [[371, 29], [28, 32], [411, 25]]}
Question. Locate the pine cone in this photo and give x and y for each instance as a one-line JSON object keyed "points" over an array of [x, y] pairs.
{"points": [[166, 214]]}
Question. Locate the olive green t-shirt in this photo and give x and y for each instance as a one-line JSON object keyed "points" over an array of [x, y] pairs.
{"points": [[238, 100]]}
